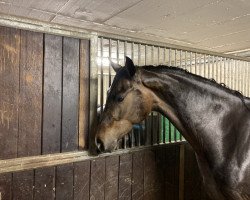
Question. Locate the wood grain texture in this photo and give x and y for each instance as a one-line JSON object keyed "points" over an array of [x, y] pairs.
{"points": [[97, 179], [125, 177], [44, 184], [23, 185], [137, 175], [64, 182], [172, 172], [150, 175], [81, 180], [112, 172], [84, 94], [9, 87], [192, 184], [52, 94], [30, 107], [160, 154], [70, 94], [6, 186]]}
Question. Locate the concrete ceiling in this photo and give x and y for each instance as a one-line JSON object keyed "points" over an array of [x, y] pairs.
{"points": [[218, 25]]}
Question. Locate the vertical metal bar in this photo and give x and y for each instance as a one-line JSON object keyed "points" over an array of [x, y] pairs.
{"points": [[185, 59], [125, 54], [169, 124], [181, 59], [175, 56], [118, 52], [205, 64], [102, 88], [224, 75], [163, 117], [152, 113], [110, 56], [132, 131], [209, 66], [195, 63], [93, 91], [248, 75], [191, 63], [200, 65], [158, 115]]}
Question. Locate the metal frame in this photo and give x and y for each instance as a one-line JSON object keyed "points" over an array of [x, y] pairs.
{"points": [[185, 53]]}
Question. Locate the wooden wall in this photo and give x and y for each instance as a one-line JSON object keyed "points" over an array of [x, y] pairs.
{"points": [[145, 174], [44, 106], [39, 98]]}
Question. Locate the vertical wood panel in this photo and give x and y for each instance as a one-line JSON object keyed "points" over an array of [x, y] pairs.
{"points": [[6, 186], [9, 87], [137, 171], [97, 179], [64, 182], [23, 185], [52, 94], [172, 172], [160, 173], [30, 110], [44, 184], [70, 94], [149, 175], [84, 94], [125, 177], [81, 180], [192, 184], [111, 183]]}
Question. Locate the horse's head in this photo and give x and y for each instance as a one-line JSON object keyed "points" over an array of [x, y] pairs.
{"points": [[128, 103]]}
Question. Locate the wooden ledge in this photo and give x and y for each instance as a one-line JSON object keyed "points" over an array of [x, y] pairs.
{"points": [[34, 162]]}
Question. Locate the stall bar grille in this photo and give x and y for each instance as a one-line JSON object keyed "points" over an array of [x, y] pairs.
{"points": [[233, 73]]}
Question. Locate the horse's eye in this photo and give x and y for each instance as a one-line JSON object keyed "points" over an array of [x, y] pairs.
{"points": [[120, 98]]}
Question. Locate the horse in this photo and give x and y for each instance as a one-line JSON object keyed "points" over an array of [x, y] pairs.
{"points": [[214, 119]]}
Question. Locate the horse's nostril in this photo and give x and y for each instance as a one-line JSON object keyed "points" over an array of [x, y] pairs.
{"points": [[99, 144]]}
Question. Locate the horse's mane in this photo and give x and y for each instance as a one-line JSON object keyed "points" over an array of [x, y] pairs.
{"points": [[223, 86]]}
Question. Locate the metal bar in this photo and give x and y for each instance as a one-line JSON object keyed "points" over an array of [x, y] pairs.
{"points": [[195, 63], [102, 88], [171, 46], [205, 64], [93, 91], [44, 27], [125, 139], [110, 56], [158, 114]]}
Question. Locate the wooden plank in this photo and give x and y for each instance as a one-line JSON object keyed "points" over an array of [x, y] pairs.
{"points": [[70, 94], [125, 177], [84, 94], [112, 172], [172, 172], [9, 87], [97, 179], [23, 185], [160, 172], [30, 110], [137, 174], [44, 184], [81, 180], [192, 184], [64, 182], [181, 172], [6, 186], [52, 94], [149, 175]]}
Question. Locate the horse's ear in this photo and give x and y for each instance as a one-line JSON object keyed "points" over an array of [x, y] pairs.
{"points": [[130, 66], [115, 66]]}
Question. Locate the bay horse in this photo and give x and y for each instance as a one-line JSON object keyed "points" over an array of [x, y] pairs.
{"points": [[215, 121]]}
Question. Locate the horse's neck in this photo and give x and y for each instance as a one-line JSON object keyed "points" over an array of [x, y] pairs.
{"points": [[194, 108]]}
